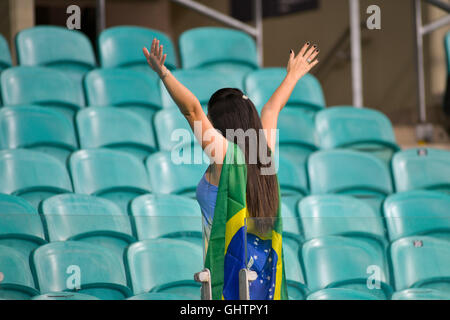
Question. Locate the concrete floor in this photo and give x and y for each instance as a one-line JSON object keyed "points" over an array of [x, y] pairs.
{"points": [[406, 138]]}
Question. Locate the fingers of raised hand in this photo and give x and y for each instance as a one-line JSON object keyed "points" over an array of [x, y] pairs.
{"points": [[310, 52], [153, 49], [146, 53], [312, 64], [313, 55], [303, 50], [161, 51]]}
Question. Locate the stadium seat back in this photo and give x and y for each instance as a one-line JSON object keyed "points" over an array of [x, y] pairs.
{"points": [[41, 129], [325, 215], [422, 168], [172, 129], [32, 175], [297, 130], [41, 86], [292, 176], [349, 172], [417, 212], [87, 218], [5, 54], [340, 294], [17, 282], [115, 128], [307, 94], [202, 83], [81, 267], [121, 47], [167, 176], [20, 225], [344, 263], [53, 46], [111, 174], [166, 216], [297, 289], [421, 262], [210, 46], [130, 89], [360, 129], [165, 265], [291, 222]]}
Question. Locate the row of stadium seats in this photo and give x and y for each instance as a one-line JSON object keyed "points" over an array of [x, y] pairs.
{"points": [[121, 47], [121, 177], [167, 265], [137, 90], [160, 265], [35, 127], [75, 216]]}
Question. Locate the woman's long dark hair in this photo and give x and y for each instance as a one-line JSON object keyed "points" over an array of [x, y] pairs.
{"points": [[230, 109]]}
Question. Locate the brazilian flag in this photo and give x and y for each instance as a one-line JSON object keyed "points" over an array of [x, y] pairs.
{"points": [[235, 244]]}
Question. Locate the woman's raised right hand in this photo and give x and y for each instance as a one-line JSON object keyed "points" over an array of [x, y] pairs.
{"points": [[301, 64]]}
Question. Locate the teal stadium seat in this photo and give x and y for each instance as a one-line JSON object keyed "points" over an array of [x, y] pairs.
{"points": [[306, 97], [32, 175], [339, 215], [340, 294], [5, 58], [133, 90], [297, 289], [37, 128], [20, 225], [219, 49], [418, 212], [421, 262], [421, 294], [297, 136], [17, 283], [202, 83], [365, 130], [166, 266], [56, 47], [349, 172], [5, 54], [168, 216], [64, 296], [293, 180], [158, 296], [291, 223], [111, 174], [340, 262], [422, 168], [86, 218], [82, 267], [173, 130], [41, 86], [169, 176], [121, 47], [115, 128]]}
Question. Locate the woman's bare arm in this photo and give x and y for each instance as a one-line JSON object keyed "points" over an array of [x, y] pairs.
{"points": [[297, 67], [210, 139]]}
